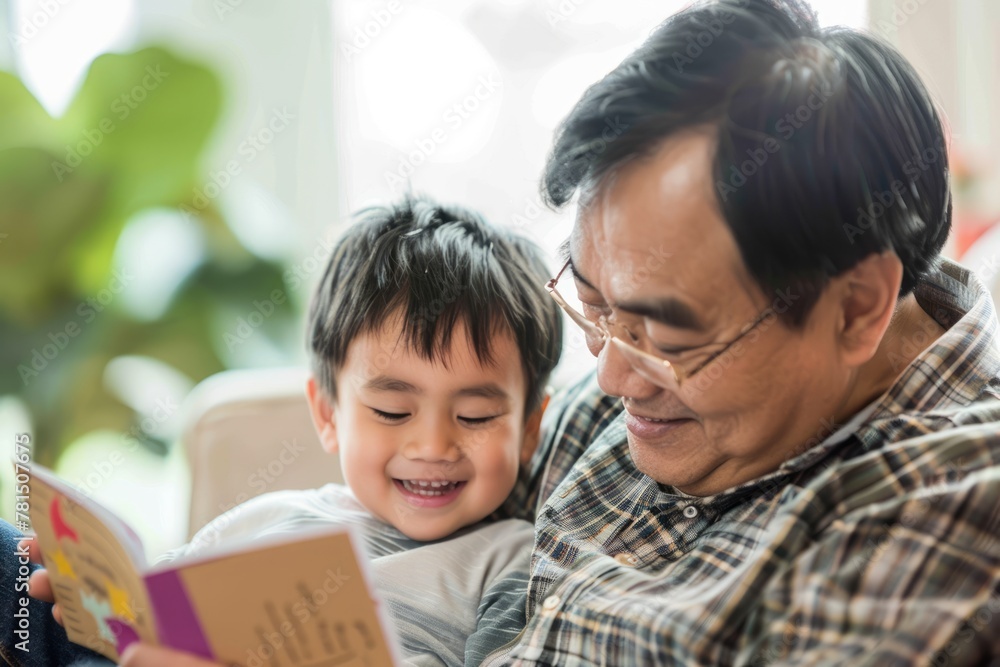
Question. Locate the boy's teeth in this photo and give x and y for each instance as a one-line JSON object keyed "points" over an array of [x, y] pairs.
{"points": [[427, 488]]}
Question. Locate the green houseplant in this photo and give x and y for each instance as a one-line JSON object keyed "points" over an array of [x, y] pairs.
{"points": [[131, 140]]}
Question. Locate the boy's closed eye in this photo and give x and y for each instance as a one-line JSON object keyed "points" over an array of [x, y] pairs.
{"points": [[479, 421], [391, 417], [399, 417]]}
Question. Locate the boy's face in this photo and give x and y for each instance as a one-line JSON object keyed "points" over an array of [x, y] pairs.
{"points": [[426, 447]]}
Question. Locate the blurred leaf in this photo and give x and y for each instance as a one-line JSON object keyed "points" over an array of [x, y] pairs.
{"points": [[154, 113], [146, 116], [42, 219], [132, 139], [25, 121]]}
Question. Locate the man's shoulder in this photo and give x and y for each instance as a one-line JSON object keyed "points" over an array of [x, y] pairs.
{"points": [[575, 420], [582, 411], [951, 453], [959, 461]]}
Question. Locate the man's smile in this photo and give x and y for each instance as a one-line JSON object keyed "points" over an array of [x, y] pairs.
{"points": [[650, 427]]}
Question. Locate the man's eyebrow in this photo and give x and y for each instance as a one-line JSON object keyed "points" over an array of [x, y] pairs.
{"points": [[386, 383], [576, 274], [669, 311]]}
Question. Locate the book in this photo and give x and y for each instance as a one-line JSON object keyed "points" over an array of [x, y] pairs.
{"points": [[305, 600]]}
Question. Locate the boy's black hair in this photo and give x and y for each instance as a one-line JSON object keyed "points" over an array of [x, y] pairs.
{"points": [[829, 148], [435, 266]]}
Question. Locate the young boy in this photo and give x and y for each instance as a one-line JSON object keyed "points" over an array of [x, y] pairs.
{"points": [[431, 341]]}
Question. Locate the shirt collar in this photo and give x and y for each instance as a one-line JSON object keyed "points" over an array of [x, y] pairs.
{"points": [[956, 368], [951, 372]]}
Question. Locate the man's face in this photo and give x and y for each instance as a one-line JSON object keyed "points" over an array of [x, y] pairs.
{"points": [[652, 252], [428, 446]]}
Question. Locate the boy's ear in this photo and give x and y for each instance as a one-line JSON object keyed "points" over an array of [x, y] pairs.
{"points": [[532, 432], [321, 409]]}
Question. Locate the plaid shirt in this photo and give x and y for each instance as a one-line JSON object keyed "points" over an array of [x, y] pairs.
{"points": [[877, 547]]}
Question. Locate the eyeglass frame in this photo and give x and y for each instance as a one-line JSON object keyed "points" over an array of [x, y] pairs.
{"points": [[631, 352]]}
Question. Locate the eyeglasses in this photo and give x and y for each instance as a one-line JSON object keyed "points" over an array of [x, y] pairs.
{"points": [[655, 369]]}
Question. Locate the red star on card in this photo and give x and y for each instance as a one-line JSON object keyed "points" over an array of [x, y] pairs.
{"points": [[58, 525]]}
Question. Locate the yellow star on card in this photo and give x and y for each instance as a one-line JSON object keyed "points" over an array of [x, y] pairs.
{"points": [[120, 605], [62, 564]]}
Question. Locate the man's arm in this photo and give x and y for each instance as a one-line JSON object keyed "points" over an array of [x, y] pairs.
{"points": [[919, 582]]}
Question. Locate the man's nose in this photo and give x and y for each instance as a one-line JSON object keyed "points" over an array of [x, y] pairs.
{"points": [[617, 377]]}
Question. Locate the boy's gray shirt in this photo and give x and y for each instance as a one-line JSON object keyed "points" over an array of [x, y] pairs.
{"points": [[432, 591]]}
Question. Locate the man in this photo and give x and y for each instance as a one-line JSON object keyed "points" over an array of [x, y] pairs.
{"points": [[789, 452], [788, 476]]}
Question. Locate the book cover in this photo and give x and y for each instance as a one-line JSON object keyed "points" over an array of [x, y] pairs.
{"points": [[304, 600]]}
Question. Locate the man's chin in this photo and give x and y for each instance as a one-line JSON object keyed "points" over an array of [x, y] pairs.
{"points": [[670, 460]]}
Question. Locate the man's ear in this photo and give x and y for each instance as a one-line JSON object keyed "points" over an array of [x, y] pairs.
{"points": [[321, 409], [532, 431], [868, 294]]}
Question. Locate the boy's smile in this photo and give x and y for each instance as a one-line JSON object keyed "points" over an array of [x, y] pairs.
{"points": [[429, 446], [427, 493]]}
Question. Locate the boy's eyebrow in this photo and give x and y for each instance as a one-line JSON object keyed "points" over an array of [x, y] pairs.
{"points": [[488, 390], [386, 383]]}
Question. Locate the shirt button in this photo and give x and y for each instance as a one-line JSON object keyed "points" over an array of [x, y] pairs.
{"points": [[690, 511], [551, 602], [626, 559]]}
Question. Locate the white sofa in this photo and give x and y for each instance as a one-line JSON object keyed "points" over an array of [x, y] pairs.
{"points": [[247, 432]]}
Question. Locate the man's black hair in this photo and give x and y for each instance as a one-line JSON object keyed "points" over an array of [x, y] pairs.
{"points": [[829, 147], [434, 266]]}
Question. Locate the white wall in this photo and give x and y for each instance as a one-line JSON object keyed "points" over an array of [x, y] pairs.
{"points": [[953, 44], [272, 55]]}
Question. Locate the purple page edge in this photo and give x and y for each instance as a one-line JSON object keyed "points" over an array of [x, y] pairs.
{"points": [[177, 624]]}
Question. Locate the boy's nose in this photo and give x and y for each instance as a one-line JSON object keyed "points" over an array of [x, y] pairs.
{"points": [[439, 445]]}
